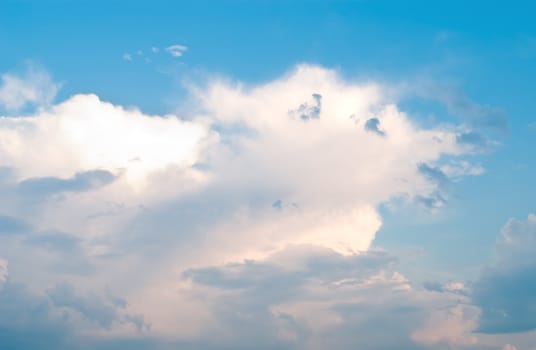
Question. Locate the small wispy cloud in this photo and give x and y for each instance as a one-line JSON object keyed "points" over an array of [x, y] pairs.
{"points": [[127, 56], [155, 49], [176, 50], [33, 87]]}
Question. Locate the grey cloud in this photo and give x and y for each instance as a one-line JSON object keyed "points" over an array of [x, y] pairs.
{"points": [[433, 173], [309, 110], [26, 321], [396, 318], [278, 204], [101, 310], [253, 287], [435, 286], [250, 291], [56, 241], [506, 289], [83, 181], [432, 201], [64, 250], [473, 138], [32, 321], [373, 125], [91, 307], [327, 266], [437, 198], [10, 225]]}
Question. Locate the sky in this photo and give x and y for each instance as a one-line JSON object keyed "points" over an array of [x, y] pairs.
{"points": [[277, 174]]}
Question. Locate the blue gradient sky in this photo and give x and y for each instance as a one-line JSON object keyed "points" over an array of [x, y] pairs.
{"points": [[457, 65]]}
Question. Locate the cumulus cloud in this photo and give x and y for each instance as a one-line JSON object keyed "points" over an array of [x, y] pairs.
{"points": [[249, 218], [34, 87], [315, 299], [84, 133], [513, 273], [328, 166], [176, 50]]}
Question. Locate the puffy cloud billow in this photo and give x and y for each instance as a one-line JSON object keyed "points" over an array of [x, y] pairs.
{"points": [[506, 289], [245, 222]]}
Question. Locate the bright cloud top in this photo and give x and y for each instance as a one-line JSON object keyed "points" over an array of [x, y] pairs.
{"points": [[303, 142], [84, 133]]}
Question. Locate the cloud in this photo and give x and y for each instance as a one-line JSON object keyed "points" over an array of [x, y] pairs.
{"points": [[452, 287], [102, 311], [84, 133], [506, 289], [176, 50], [509, 347], [26, 320], [11, 225], [308, 110], [433, 173], [127, 57], [314, 299], [460, 168], [236, 219], [84, 181], [3, 271], [34, 87]]}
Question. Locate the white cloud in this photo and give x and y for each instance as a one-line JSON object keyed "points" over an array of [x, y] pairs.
{"points": [[176, 50], [85, 133], [127, 57], [329, 170], [155, 49], [243, 176], [34, 87]]}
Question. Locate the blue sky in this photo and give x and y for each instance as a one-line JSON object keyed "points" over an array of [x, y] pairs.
{"points": [[267, 167]]}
